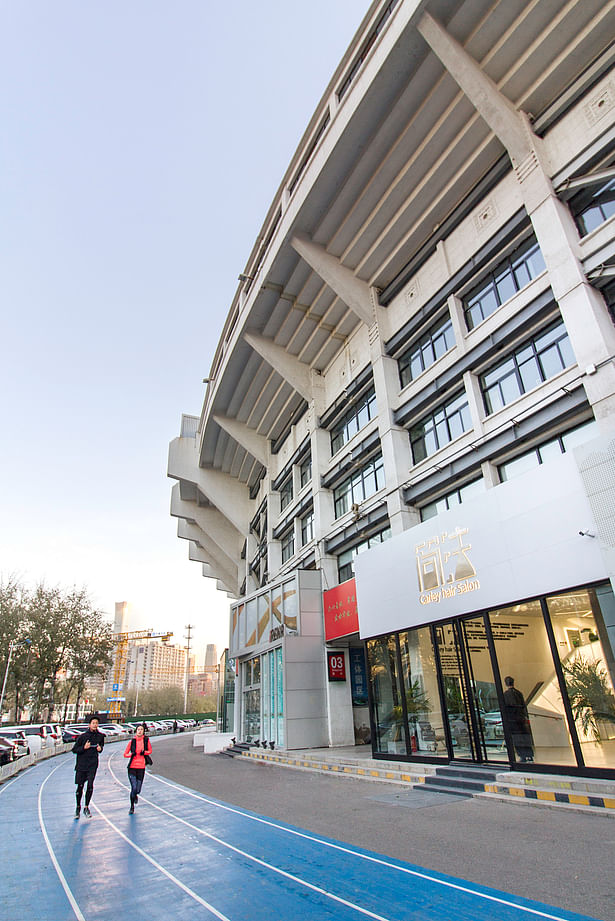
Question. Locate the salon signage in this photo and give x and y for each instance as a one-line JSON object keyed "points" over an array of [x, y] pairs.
{"points": [[522, 538]]}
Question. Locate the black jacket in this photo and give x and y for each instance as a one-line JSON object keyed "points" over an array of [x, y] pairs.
{"points": [[87, 758]]}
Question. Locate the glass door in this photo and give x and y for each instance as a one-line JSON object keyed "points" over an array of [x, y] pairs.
{"points": [[472, 710]]}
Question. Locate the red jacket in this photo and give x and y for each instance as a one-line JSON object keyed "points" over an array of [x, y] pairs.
{"points": [[138, 761]]}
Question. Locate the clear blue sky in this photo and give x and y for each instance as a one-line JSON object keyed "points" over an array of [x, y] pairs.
{"points": [[141, 144]]}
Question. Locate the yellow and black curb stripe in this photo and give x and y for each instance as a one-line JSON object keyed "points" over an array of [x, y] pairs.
{"points": [[553, 796]]}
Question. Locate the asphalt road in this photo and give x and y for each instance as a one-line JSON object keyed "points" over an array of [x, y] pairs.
{"points": [[560, 857]]}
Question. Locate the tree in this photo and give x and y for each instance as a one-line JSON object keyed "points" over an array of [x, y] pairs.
{"points": [[69, 640], [14, 625]]}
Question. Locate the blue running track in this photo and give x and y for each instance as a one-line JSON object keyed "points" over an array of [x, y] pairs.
{"points": [[186, 856]]}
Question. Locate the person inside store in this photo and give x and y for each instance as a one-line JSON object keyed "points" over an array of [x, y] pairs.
{"points": [[518, 720], [139, 751]]}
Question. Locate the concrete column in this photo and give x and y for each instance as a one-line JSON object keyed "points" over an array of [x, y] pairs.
{"points": [[396, 454]]}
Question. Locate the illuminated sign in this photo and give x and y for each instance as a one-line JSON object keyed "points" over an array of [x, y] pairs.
{"points": [[443, 566]]}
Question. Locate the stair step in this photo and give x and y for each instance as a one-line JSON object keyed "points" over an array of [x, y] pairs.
{"points": [[480, 774], [454, 783], [439, 788]]}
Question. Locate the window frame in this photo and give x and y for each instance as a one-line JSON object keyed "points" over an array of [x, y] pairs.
{"points": [[352, 489], [443, 327], [507, 271], [460, 405], [341, 433], [517, 368]]}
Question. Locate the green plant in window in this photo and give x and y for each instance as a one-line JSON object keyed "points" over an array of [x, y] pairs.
{"points": [[590, 694], [417, 701]]}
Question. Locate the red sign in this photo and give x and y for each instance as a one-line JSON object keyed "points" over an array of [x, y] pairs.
{"points": [[341, 614], [337, 666]]}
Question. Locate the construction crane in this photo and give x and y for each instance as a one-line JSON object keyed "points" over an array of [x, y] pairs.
{"points": [[120, 659]]}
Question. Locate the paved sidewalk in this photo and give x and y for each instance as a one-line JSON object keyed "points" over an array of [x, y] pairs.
{"points": [[559, 856]]}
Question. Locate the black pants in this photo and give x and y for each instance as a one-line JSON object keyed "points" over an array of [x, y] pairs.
{"points": [[81, 779], [135, 776]]}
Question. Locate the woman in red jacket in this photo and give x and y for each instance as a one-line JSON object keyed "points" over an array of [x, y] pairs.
{"points": [[136, 750]]}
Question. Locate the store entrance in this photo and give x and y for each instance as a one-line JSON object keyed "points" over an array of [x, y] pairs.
{"points": [[472, 711]]}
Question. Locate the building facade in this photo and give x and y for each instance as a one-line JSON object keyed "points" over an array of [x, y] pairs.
{"points": [[416, 381], [150, 666]]}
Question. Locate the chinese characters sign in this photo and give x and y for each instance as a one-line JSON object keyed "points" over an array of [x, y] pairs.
{"points": [[341, 615], [444, 568]]}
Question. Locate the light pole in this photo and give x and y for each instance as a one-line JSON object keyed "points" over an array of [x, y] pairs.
{"points": [[12, 645]]}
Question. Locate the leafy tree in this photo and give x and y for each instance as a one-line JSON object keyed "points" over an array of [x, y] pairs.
{"points": [[14, 625]]}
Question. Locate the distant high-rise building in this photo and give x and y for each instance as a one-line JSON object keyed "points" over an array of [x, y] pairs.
{"points": [[155, 665], [211, 655]]}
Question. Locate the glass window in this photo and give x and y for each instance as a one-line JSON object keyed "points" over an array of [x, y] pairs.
{"points": [[305, 471], [389, 724], [593, 206], [420, 684], [534, 362], [359, 486], [439, 427], [288, 545], [548, 449], [286, 492], [451, 499], [345, 560], [422, 353], [508, 277], [354, 419], [586, 657], [307, 528], [533, 708]]}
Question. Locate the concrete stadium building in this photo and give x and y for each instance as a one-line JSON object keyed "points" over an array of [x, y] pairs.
{"points": [[403, 473]]}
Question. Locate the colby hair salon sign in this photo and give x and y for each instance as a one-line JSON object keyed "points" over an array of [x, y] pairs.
{"points": [[516, 540]]}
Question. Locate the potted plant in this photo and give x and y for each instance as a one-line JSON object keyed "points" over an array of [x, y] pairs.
{"points": [[590, 694]]}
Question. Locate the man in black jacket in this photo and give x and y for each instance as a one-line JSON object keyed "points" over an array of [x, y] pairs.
{"points": [[87, 748]]}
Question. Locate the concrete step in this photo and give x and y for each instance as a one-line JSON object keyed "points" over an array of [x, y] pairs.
{"points": [[393, 772], [454, 784]]}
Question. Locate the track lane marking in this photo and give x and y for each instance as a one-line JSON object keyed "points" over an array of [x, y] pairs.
{"points": [[290, 876], [69, 894], [162, 869], [347, 850]]}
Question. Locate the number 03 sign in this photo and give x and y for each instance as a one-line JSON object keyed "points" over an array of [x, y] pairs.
{"points": [[337, 666]]}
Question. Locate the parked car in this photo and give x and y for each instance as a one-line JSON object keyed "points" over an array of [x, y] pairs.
{"points": [[69, 734], [7, 751], [17, 736], [113, 729], [54, 732]]}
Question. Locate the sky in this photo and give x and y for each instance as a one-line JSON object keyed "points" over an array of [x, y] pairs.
{"points": [[141, 145]]}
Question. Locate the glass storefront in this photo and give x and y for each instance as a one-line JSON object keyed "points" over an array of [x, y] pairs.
{"points": [[531, 682], [263, 698]]}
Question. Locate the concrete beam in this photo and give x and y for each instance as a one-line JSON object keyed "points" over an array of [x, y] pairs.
{"points": [[295, 372], [228, 495], [255, 444], [503, 118], [351, 290], [211, 521], [222, 567]]}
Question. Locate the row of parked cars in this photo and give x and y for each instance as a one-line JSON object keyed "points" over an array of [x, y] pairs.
{"points": [[17, 741]]}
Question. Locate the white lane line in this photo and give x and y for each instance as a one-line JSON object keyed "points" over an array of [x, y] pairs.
{"points": [[56, 865], [162, 869], [262, 863], [6, 785], [348, 850]]}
